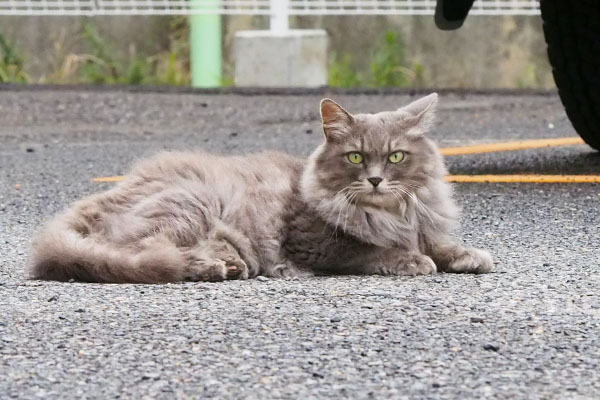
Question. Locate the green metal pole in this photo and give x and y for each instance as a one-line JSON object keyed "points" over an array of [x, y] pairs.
{"points": [[205, 44]]}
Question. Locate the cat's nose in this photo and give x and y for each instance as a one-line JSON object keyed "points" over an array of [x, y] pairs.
{"points": [[375, 180]]}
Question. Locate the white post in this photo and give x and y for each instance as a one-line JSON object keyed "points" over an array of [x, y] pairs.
{"points": [[279, 16]]}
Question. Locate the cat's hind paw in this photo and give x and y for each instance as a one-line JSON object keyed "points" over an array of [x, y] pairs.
{"points": [[471, 261], [214, 260], [214, 270], [236, 268], [206, 271]]}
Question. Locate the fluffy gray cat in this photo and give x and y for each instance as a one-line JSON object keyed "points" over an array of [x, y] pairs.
{"points": [[371, 199]]}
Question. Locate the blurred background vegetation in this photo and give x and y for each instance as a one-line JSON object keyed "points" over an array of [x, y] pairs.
{"points": [[366, 51]]}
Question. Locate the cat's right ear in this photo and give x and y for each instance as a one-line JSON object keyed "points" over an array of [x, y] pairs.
{"points": [[336, 120]]}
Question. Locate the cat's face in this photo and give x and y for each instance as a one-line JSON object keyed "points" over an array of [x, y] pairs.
{"points": [[376, 159]]}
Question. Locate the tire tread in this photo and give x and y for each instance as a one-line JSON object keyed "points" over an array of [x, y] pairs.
{"points": [[572, 32]]}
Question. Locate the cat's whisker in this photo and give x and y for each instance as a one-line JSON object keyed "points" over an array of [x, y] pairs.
{"points": [[394, 191], [397, 196], [360, 225], [408, 193], [402, 191], [353, 196], [340, 199], [337, 221], [419, 204], [411, 196], [339, 203], [346, 214], [353, 204], [350, 205], [411, 185]]}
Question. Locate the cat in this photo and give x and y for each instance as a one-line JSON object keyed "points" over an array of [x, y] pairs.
{"points": [[371, 199]]}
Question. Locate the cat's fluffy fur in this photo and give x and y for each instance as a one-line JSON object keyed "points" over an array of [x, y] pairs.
{"points": [[192, 216]]}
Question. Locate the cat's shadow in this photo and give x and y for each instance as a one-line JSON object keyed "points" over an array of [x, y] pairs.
{"points": [[555, 161]]}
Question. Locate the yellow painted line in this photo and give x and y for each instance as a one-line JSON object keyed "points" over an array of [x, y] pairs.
{"points": [[475, 178], [510, 146], [109, 179], [525, 178]]}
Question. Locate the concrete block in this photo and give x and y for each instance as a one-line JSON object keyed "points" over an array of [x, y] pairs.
{"points": [[294, 58]]}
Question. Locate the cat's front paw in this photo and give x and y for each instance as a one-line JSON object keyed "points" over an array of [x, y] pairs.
{"points": [[412, 264], [471, 261]]}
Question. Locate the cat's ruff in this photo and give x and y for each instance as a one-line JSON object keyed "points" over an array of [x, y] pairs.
{"points": [[371, 199]]}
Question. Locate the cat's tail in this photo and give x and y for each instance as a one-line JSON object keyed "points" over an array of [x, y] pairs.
{"points": [[62, 253]]}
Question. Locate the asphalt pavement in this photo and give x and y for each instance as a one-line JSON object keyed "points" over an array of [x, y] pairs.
{"points": [[530, 330]]}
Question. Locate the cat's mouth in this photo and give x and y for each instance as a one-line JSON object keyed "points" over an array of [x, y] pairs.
{"points": [[379, 198], [378, 191]]}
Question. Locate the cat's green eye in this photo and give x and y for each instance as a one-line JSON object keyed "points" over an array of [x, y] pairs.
{"points": [[355, 158], [396, 157]]}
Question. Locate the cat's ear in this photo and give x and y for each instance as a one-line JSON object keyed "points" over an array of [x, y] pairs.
{"points": [[336, 120], [420, 114]]}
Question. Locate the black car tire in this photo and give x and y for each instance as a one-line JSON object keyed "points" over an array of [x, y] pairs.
{"points": [[572, 32]]}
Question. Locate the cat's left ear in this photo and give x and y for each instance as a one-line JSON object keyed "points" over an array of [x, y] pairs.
{"points": [[420, 114]]}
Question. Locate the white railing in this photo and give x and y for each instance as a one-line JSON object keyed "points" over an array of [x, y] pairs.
{"points": [[255, 7]]}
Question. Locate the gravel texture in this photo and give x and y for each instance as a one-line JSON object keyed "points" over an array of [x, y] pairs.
{"points": [[531, 330]]}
